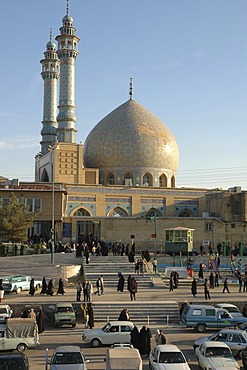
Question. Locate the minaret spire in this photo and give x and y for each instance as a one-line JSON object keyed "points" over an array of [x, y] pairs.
{"points": [[67, 53], [131, 89], [50, 75]]}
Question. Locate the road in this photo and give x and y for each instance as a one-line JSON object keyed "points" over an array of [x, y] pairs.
{"points": [[52, 338]]}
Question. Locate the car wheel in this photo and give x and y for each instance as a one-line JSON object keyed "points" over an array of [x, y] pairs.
{"points": [[200, 328], [95, 343], [18, 290], [37, 287], [74, 325], [21, 347]]}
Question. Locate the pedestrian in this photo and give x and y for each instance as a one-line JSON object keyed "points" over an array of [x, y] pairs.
{"points": [[101, 284], [245, 283], [225, 286], [145, 341], [90, 313], [206, 289], [60, 287], [194, 287], [1, 290], [40, 320], [133, 289], [85, 291], [124, 315], [176, 279], [31, 314], [134, 337], [200, 273], [50, 288], [44, 286], [32, 287], [84, 314], [211, 280], [216, 280], [240, 283], [78, 287], [89, 291], [121, 280], [160, 337], [171, 282], [154, 263], [97, 286]]}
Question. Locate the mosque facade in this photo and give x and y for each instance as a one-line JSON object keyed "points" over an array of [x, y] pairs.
{"points": [[122, 181]]}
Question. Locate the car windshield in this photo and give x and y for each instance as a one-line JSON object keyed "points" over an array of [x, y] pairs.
{"points": [[218, 352], [171, 358], [64, 309], [106, 327], [232, 309], [3, 310], [12, 364], [245, 336], [67, 358]]}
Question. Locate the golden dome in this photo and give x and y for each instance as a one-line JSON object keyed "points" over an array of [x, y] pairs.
{"points": [[131, 138]]}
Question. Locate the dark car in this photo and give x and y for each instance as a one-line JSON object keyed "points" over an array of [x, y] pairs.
{"points": [[13, 361]]}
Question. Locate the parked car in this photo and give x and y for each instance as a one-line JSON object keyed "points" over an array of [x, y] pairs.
{"points": [[201, 317], [235, 339], [17, 361], [123, 356], [5, 313], [231, 308], [18, 283], [215, 355], [110, 333], [66, 358], [167, 356], [61, 314]]}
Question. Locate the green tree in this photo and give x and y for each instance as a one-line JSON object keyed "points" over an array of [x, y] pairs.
{"points": [[14, 220]]}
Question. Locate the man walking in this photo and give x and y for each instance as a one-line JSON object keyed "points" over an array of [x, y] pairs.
{"points": [[206, 289], [225, 286]]}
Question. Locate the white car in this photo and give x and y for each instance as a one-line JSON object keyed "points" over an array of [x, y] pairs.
{"points": [[66, 358], [215, 356], [5, 313], [167, 357], [112, 332], [236, 339], [231, 308]]}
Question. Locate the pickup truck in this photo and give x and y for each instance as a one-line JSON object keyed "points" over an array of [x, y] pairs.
{"points": [[201, 317], [18, 283], [19, 334]]}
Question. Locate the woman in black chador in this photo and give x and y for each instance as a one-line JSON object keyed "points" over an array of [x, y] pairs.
{"points": [[121, 281], [60, 287], [134, 337], [145, 341], [194, 287], [200, 274], [32, 287], [44, 286], [50, 289], [90, 313]]}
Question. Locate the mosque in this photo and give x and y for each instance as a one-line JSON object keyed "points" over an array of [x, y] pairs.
{"points": [[120, 184]]}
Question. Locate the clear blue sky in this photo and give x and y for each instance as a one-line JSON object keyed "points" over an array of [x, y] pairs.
{"points": [[188, 61]]}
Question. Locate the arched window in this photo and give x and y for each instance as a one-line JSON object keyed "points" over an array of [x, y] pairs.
{"points": [[110, 179], [185, 213], [118, 212], [45, 177], [128, 179], [81, 212], [173, 182], [152, 212], [163, 181], [147, 180]]}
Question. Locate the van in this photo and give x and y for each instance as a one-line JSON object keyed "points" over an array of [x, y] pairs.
{"points": [[19, 334], [201, 317], [123, 357]]}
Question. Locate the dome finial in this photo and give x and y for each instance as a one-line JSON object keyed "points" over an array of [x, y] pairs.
{"points": [[50, 34], [67, 7], [131, 89]]}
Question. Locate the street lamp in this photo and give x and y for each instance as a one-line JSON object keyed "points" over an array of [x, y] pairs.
{"points": [[52, 149]]}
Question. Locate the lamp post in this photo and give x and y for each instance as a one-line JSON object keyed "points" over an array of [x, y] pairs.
{"points": [[52, 149]]}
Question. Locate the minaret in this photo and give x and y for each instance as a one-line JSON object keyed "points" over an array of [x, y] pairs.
{"points": [[67, 53], [50, 75]]}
